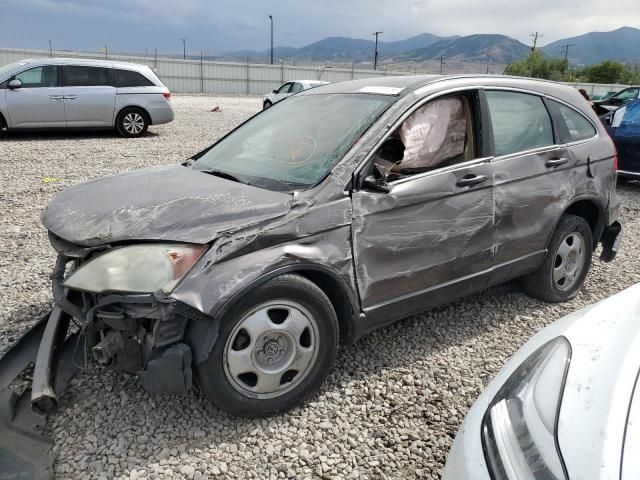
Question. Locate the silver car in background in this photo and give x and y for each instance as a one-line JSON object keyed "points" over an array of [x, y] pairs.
{"points": [[288, 89], [80, 93]]}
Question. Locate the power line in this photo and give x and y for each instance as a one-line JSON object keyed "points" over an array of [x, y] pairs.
{"points": [[375, 53], [565, 52], [535, 37]]}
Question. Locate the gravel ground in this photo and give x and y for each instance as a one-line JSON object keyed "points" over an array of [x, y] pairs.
{"points": [[390, 408]]}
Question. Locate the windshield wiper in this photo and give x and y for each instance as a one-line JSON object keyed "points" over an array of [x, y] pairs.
{"points": [[228, 176]]}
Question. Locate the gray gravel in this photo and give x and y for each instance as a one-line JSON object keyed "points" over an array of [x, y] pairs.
{"points": [[390, 408]]}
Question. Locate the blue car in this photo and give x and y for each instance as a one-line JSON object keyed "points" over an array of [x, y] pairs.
{"points": [[623, 125]]}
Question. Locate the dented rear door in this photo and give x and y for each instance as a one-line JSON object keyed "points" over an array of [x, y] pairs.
{"points": [[535, 177]]}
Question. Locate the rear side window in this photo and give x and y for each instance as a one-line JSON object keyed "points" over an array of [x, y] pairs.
{"points": [[520, 122], [297, 87], [39, 77], [78, 76], [128, 78], [577, 127]]}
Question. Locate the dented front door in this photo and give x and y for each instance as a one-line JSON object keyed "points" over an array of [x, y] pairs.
{"points": [[430, 229]]}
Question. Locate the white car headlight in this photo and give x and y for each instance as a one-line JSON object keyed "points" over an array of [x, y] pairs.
{"points": [[143, 268], [519, 429]]}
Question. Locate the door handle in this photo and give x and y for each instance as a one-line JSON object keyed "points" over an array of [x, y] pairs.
{"points": [[471, 180], [56, 97], [555, 162], [70, 97]]}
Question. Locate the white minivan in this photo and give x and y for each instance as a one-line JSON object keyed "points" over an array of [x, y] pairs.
{"points": [[80, 93]]}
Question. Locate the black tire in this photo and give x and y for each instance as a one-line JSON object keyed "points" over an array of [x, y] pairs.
{"points": [[3, 127], [132, 122], [213, 374], [266, 104], [541, 283]]}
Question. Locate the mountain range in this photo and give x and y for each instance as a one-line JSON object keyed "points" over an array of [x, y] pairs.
{"points": [[622, 44]]}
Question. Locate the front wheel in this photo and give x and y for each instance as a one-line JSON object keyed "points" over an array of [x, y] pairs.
{"points": [[266, 104], [132, 122], [275, 349], [566, 264]]}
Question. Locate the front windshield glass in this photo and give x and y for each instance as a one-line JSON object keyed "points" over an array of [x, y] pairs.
{"points": [[295, 143]]}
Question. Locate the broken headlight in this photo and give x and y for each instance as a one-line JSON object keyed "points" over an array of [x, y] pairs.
{"points": [[519, 429], [143, 268]]}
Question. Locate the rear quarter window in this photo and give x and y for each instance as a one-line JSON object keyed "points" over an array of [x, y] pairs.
{"points": [[574, 125], [129, 78], [520, 122]]}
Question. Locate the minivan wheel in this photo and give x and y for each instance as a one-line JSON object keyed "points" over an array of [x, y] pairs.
{"points": [[266, 104], [274, 349], [132, 122], [566, 263]]}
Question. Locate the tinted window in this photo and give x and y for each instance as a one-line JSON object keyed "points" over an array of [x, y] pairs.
{"points": [[284, 88], [436, 135], [627, 94], [577, 126], [520, 122], [127, 78], [39, 77], [76, 76], [297, 87]]}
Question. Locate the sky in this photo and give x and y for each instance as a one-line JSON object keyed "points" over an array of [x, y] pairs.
{"points": [[218, 26]]}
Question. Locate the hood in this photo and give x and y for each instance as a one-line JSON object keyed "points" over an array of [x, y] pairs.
{"points": [[172, 203]]}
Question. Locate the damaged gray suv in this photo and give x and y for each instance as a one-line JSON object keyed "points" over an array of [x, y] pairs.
{"points": [[335, 212]]}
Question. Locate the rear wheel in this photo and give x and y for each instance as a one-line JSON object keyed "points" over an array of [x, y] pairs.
{"points": [[274, 349], [566, 263], [132, 122]]}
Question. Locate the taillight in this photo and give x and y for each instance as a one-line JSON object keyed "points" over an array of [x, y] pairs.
{"points": [[167, 95]]}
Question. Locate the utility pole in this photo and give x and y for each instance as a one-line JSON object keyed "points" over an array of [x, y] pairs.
{"points": [[146, 52], [442, 64], [106, 52], [535, 37], [184, 48], [155, 58], [565, 51], [271, 20], [50, 49], [375, 52]]}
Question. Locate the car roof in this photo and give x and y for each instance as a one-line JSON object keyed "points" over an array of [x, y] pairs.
{"points": [[322, 82], [82, 61], [402, 85]]}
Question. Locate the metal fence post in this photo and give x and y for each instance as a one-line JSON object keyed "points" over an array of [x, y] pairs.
{"points": [[201, 74], [282, 70], [248, 77]]}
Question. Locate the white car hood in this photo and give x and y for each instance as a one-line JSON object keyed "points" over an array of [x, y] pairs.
{"points": [[605, 361]]}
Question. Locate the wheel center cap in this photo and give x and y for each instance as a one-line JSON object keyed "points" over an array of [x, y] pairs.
{"points": [[271, 348]]}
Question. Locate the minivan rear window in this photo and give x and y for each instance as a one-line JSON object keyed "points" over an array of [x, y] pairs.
{"points": [[79, 76], [128, 78], [520, 122]]}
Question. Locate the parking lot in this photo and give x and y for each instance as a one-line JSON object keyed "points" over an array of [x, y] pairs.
{"points": [[391, 406]]}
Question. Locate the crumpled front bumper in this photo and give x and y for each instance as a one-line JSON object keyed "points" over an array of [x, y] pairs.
{"points": [[24, 451]]}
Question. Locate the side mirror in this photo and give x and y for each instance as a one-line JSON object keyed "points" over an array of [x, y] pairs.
{"points": [[372, 183], [14, 84], [274, 91]]}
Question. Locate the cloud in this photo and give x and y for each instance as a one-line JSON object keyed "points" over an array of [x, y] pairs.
{"points": [[224, 25]]}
